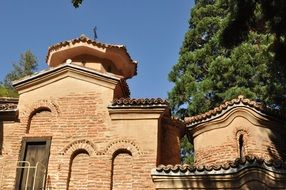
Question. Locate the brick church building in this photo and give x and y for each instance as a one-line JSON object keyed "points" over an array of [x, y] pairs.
{"points": [[74, 126]]}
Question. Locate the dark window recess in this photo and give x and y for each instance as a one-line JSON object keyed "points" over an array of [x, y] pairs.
{"points": [[241, 146], [33, 163]]}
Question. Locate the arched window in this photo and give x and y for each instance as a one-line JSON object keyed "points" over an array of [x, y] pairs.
{"points": [[241, 146]]}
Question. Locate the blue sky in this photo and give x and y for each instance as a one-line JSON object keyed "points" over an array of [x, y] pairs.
{"points": [[152, 31]]}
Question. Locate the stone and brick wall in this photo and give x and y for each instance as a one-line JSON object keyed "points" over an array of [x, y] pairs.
{"points": [[88, 149], [235, 135], [171, 132], [94, 145]]}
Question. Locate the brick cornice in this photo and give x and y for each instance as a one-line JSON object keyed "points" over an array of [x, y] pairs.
{"points": [[63, 71]]}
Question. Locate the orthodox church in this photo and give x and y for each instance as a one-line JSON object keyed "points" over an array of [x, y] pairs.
{"points": [[75, 126]]}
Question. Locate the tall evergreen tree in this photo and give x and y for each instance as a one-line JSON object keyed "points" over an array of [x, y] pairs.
{"points": [[26, 65], [207, 73]]}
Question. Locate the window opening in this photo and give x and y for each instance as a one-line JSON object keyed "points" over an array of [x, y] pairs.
{"points": [[241, 146]]}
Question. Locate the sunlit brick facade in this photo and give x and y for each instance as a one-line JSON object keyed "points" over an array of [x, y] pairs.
{"points": [[74, 126], [87, 131]]}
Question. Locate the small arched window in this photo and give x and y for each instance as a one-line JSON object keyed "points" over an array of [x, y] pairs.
{"points": [[241, 146]]}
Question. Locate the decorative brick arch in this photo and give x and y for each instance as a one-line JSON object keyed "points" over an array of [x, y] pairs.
{"points": [[121, 169], [68, 153], [39, 106], [80, 144], [129, 150], [245, 133], [121, 144], [82, 174], [241, 130]]}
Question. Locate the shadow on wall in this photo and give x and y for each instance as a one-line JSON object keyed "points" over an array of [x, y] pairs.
{"points": [[277, 147], [244, 180], [247, 174]]}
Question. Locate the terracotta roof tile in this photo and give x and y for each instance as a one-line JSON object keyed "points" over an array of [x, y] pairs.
{"points": [[138, 102], [85, 39], [238, 164], [240, 100], [8, 104]]}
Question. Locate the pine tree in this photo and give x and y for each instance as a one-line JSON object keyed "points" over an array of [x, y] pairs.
{"points": [[262, 17], [27, 65], [207, 73]]}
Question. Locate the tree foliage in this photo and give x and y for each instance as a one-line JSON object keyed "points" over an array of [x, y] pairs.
{"points": [[261, 16], [7, 92], [77, 3], [187, 151], [208, 73], [26, 65]]}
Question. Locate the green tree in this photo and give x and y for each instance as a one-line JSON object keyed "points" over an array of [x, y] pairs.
{"points": [[207, 73], [263, 17], [76, 3], [26, 65], [258, 15], [7, 92]]}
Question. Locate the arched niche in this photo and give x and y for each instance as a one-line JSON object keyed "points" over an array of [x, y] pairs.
{"points": [[45, 106], [122, 170], [39, 121], [78, 170]]}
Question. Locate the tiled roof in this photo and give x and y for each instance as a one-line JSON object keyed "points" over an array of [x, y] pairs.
{"points": [[138, 102], [240, 100], [85, 39], [65, 65], [8, 104], [238, 164]]}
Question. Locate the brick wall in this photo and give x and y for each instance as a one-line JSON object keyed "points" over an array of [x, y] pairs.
{"points": [[79, 122], [171, 132], [217, 141], [122, 175], [78, 177]]}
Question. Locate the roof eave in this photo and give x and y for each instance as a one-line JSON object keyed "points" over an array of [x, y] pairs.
{"points": [[22, 82], [97, 46]]}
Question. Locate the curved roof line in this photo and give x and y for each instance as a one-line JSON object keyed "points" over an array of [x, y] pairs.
{"points": [[85, 39], [230, 167], [221, 109]]}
